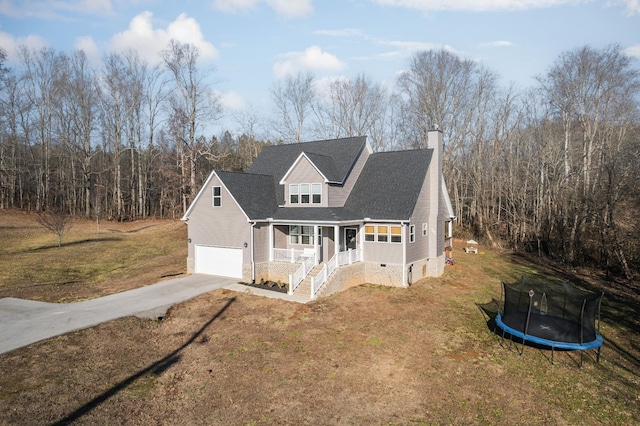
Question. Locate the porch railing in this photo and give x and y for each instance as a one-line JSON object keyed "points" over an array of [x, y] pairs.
{"points": [[343, 258], [298, 276], [350, 256], [288, 255]]}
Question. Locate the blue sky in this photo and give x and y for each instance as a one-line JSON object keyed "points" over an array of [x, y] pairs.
{"points": [[253, 43]]}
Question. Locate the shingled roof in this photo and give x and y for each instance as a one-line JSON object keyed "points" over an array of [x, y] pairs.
{"points": [[389, 185], [321, 214], [254, 193], [334, 158], [387, 188]]}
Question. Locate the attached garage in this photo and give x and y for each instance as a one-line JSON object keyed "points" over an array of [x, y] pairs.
{"points": [[223, 261]]}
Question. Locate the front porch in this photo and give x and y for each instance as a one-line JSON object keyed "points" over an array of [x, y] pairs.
{"points": [[318, 249], [311, 275]]}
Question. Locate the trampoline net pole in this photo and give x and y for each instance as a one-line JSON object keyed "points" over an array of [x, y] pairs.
{"points": [[584, 302], [526, 325]]}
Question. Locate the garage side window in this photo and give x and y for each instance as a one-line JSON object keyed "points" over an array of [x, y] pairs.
{"points": [[216, 196]]}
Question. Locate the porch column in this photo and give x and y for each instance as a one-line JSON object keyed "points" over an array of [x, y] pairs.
{"points": [[336, 239], [271, 242], [315, 243]]}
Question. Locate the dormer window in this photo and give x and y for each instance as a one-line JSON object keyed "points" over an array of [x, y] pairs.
{"points": [[305, 193], [293, 194], [316, 193]]}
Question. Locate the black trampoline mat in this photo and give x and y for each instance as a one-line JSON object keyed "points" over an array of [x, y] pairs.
{"points": [[547, 327]]}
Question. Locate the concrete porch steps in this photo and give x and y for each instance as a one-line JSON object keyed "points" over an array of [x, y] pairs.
{"points": [[304, 289]]}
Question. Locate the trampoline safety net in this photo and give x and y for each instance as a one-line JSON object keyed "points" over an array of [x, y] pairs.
{"points": [[556, 314]]}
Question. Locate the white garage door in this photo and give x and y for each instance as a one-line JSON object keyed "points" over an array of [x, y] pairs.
{"points": [[223, 261]]}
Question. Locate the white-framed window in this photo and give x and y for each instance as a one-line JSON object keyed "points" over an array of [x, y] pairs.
{"points": [[412, 233], [216, 196], [316, 193], [396, 234], [425, 229], [293, 193], [369, 233], [301, 234], [304, 193], [320, 236], [383, 233]]}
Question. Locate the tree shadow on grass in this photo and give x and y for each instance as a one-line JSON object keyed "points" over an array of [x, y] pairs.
{"points": [[76, 243], [155, 368], [131, 231]]}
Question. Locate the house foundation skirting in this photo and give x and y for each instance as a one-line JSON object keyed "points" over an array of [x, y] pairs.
{"points": [[423, 268], [273, 271], [344, 277], [383, 274], [358, 273]]}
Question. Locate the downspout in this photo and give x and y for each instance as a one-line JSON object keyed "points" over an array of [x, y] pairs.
{"points": [[253, 263], [404, 256]]}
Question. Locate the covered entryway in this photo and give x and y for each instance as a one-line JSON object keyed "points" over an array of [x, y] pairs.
{"points": [[350, 235], [222, 261]]}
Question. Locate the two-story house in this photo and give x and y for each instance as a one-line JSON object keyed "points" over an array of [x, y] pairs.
{"points": [[319, 214]]}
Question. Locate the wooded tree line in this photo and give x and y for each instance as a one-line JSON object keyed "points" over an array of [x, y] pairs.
{"points": [[551, 169]]}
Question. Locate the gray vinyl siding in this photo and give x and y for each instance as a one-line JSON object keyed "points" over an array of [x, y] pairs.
{"points": [[338, 194], [420, 248], [382, 252], [305, 172], [427, 210], [261, 242], [223, 226], [328, 245], [280, 236]]}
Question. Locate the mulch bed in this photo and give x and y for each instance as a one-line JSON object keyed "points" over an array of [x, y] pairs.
{"points": [[269, 285]]}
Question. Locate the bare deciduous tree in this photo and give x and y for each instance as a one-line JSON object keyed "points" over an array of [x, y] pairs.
{"points": [[293, 100], [354, 108], [57, 222], [193, 104]]}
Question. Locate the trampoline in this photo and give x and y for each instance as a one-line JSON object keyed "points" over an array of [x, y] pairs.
{"points": [[558, 316]]}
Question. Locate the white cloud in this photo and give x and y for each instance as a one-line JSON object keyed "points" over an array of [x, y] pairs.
{"points": [[403, 49], [632, 6], [498, 43], [345, 32], [233, 6], [149, 41], [476, 5], [11, 44], [633, 51], [291, 8], [285, 8], [54, 9], [313, 58], [231, 101], [90, 49], [322, 86]]}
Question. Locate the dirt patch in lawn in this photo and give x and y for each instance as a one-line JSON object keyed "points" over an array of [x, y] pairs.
{"points": [[367, 355]]}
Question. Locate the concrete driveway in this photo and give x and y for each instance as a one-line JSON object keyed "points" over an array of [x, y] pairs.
{"points": [[23, 322]]}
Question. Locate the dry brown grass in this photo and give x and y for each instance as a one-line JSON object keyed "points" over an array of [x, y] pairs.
{"points": [[92, 262], [368, 355]]}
